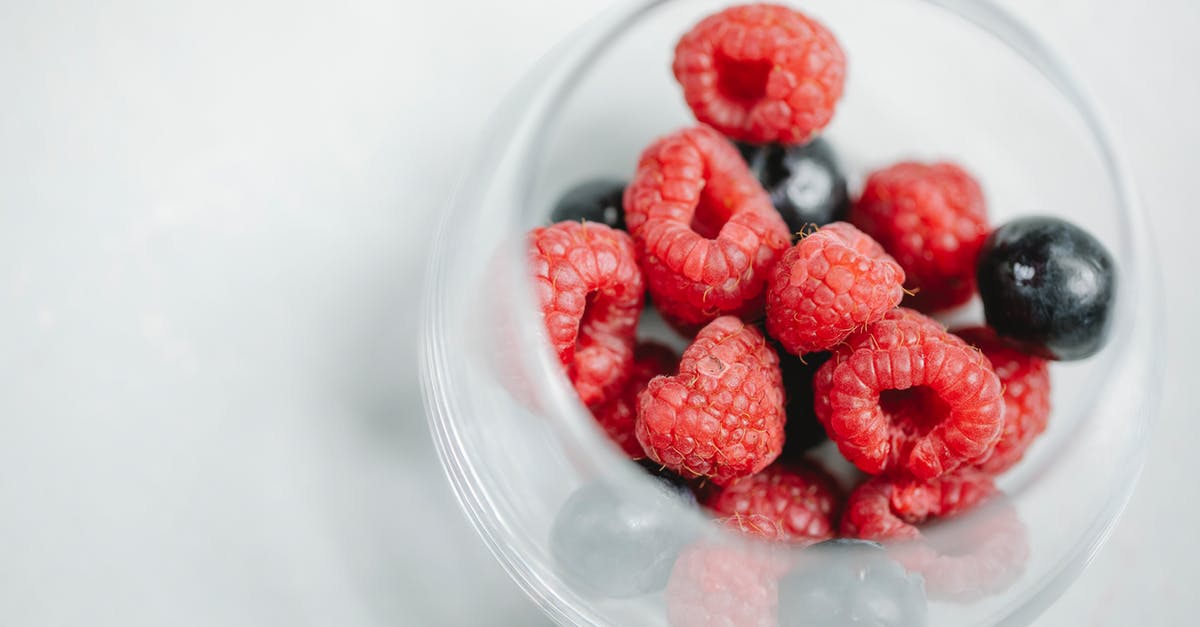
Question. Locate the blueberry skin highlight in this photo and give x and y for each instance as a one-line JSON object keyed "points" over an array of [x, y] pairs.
{"points": [[595, 201], [805, 183], [1048, 287]]}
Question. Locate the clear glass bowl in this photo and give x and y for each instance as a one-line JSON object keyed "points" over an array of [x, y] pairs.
{"points": [[961, 80]]}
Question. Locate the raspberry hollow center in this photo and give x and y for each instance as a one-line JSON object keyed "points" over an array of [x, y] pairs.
{"points": [[917, 409], [586, 322], [711, 214], [743, 81]]}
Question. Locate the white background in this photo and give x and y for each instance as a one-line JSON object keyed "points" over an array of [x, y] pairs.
{"points": [[212, 223]]}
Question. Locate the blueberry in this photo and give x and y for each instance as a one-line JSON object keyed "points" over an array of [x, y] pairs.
{"points": [[668, 479], [614, 546], [805, 183], [803, 430], [748, 151], [850, 582], [594, 201], [1048, 287]]}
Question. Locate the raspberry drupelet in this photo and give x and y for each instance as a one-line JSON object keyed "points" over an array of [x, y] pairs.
{"points": [[590, 291], [705, 231], [761, 73]]}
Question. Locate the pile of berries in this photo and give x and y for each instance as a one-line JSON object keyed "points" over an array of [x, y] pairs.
{"points": [[808, 310]]}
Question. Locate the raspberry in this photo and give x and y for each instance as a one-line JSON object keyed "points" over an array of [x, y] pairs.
{"points": [[958, 562], [799, 499], [758, 526], [886, 508], [619, 414], [1026, 381], [905, 395], [761, 73], [722, 416], [933, 220], [973, 560], [833, 281], [590, 290], [706, 232], [718, 585]]}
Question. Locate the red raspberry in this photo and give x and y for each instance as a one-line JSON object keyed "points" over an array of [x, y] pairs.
{"points": [[1026, 381], [590, 290], [706, 232], [799, 499], [761, 73], [619, 415], [886, 508], [973, 560], [831, 282], [719, 585], [933, 220], [905, 395], [722, 416], [758, 526]]}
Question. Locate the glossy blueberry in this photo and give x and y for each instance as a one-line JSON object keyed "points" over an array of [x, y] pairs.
{"points": [[803, 430], [1048, 287], [595, 201], [668, 479], [850, 582], [805, 182], [612, 545]]}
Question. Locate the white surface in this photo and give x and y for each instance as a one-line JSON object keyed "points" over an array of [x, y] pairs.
{"points": [[212, 219]]}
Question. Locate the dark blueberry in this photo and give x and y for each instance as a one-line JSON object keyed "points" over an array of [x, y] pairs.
{"points": [[805, 183], [802, 431], [616, 546], [1048, 287], [748, 151], [668, 479], [594, 201], [850, 582]]}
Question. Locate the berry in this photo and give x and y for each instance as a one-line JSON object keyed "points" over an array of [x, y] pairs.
{"points": [[616, 546], [1049, 287], [705, 231], [590, 290], [802, 430], [887, 508], [618, 415], [932, 218], [968, 561], [850, 582], [829, 284], [720, 585], [759, 526], [722, 416], [1026, 382], [594, 201], [805, 183], [669, 479], [761, 73], [905, 395], [799, 499]]}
